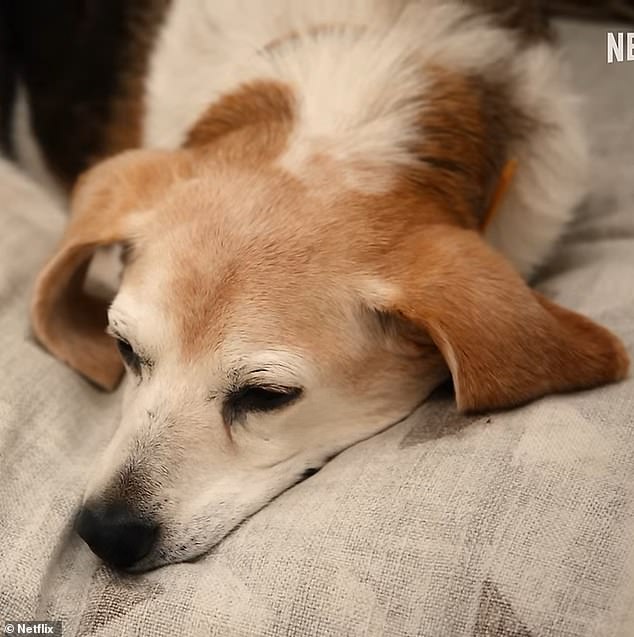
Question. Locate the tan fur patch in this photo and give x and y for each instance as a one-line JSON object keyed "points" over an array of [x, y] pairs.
{"points": [[210, 280], [468, 125], [504, 343], [253, 123], [66, 319]]}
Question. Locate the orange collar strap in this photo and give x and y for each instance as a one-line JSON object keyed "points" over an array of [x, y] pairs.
{"points": [[504, 183]]}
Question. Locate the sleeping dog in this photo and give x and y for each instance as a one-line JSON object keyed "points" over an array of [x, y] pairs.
{"points": [[326, 209]]}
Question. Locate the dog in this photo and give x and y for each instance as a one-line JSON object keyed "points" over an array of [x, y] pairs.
{"points": [[326, 210]]}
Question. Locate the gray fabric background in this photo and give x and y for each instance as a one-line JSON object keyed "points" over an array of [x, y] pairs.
{"points": [[513, 524]]}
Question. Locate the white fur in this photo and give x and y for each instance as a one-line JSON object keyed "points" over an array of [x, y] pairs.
{"points": [[198, 480], [360, 89], [553, 165]]}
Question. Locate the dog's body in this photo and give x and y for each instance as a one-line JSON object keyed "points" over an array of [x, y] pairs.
{"points": [[305, 261], [359, 60]]}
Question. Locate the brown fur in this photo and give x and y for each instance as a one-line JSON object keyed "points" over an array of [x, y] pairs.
{"points": [[124, 126], [83, 65], [259, 113], [504, 343], [470, 125], [65, 318]]}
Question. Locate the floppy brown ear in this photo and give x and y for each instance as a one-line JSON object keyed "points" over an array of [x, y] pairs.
{"points": [[503, 343], [66, 319]]}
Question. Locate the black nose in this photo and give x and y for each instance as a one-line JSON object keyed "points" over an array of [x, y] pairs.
{"points": [[116, 534]]}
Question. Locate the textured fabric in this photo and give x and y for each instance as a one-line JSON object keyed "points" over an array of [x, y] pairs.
{"points": [[511, 524]]}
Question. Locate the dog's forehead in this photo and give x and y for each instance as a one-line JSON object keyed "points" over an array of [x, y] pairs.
{"points": [[230, 264], [245, 304], [238, 354], [197, 302], [261, 255]]}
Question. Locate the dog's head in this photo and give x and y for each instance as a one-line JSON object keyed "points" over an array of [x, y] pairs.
{"points": [[266, 322]]}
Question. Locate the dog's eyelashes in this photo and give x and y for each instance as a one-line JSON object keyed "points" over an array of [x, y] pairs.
{"points": [[258, 398], [263, 398], [129, 356], [267, 399]]}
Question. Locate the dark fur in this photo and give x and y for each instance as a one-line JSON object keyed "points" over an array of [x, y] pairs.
{"points": [[527, 17], [76, 59], [7, 84]]}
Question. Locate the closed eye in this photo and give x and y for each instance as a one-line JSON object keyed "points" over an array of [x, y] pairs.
{"points": [[258, 398], [129, 356]]}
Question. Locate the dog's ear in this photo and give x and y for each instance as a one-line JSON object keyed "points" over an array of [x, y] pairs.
{"points": [[66, 319], [503, 343]]}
